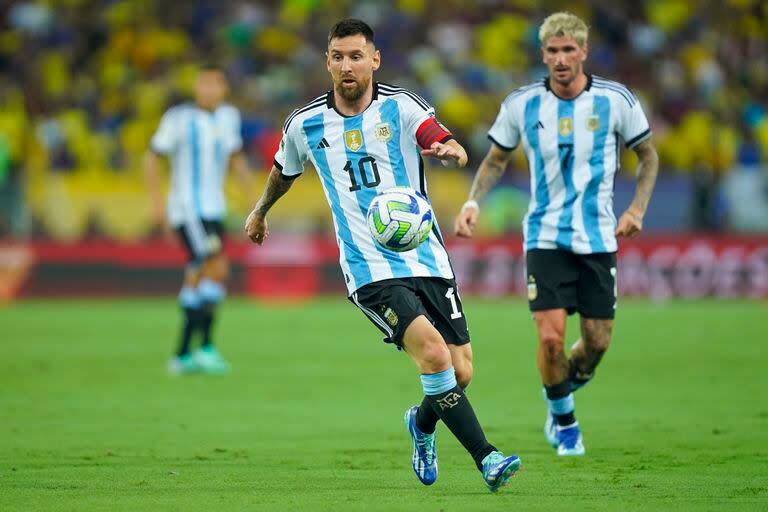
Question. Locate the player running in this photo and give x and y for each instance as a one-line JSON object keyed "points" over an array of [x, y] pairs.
{"points": [[569, 124], [201, 139], [363, 137]]}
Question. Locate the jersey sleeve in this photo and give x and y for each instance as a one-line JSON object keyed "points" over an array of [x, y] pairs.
{"points": [[165, 139], [419, 119], [633, 125], [290, 157], [234, 136], [504, 132]]}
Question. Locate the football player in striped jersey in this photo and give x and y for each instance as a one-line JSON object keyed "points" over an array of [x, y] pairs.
{"points": [[569, 125], [363, 137]]}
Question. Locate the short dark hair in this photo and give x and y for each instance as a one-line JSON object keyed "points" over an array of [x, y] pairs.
{"points": [[350, 27]]}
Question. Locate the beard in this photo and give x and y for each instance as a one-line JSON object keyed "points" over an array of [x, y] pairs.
{"points": [[354, 93], [569, 77]]}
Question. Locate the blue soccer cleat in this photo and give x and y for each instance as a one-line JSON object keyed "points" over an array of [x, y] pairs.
{"points": [[210, 361], [498, 470], [569, 441], [424, 460]]}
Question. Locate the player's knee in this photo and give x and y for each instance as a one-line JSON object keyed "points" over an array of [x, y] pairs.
{"points": [[435, 356], [551, 340]]}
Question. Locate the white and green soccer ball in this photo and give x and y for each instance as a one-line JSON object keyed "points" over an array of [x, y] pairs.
{"points": [[400, 219]]}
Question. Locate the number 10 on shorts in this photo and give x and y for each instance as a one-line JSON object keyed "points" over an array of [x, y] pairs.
{"points": [[451, 296]]}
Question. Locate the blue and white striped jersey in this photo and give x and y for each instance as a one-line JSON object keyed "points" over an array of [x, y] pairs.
{"points": [[199, 144], [572, 148], [357, 157]]}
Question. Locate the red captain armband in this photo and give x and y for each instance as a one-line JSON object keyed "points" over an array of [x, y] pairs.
{"points": [[430, 132]]}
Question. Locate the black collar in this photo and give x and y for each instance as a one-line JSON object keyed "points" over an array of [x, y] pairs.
{"points": [[588, 86], [330, 101]]}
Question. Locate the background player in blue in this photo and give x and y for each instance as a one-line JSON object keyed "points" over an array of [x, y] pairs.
{"points": [[201, 139], [363, 137], [569, 124]]}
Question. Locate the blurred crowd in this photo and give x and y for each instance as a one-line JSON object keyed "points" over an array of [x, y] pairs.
{"points": [[83, 84]]}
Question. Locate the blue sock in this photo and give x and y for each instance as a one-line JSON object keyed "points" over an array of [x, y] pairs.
{"points": [[561, 403]]}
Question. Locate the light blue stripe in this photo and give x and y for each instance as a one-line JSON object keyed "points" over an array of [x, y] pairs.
{"points": [[314, 129], [532, 107], [602, 109], [390, 113], [436, 383], [365, 195], [196, 178], [562, 405], [565, 147]]}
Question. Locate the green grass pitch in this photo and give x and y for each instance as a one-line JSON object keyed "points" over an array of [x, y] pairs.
{"points": [[311, 417]]}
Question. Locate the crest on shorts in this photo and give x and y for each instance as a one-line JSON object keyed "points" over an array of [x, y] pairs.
{"points": [[390, 316], [383, 132], [565, 125], [533, 291], [353, 139], [593, 123]]}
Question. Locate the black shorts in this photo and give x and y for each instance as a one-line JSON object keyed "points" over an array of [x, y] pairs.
{"points": [[559, 279], [393, 304], [202, 238]]}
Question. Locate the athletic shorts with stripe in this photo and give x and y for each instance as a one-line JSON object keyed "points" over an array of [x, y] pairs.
{"points": [[202, 238], [392, 304]]}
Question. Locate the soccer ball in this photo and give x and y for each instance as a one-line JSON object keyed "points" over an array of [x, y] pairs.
{"points": [[400, 219]]}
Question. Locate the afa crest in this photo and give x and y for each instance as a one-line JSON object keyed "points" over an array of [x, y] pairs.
{"points": [[390, 316], [383, 132], [353, 139], [533, 291], [593, 123], [566, 126]]}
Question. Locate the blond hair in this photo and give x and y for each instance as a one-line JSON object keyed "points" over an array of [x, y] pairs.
{"points": [[564, 24]]}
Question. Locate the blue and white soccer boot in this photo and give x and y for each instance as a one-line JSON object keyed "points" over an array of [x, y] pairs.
{"points": [[210, 361], [569, 441], [498, 470], [424, 460]]}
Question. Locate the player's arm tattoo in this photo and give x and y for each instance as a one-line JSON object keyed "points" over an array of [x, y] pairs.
{"points": [[276, 187], [491, 168], [647, 170]]}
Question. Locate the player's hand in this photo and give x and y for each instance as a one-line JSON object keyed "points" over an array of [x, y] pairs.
{"points": [[630, 224], [445, 153], [256, 227], [464, 224]]}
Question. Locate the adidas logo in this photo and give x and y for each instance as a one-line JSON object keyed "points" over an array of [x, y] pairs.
{"points": [[323, 144], [539, 126]]}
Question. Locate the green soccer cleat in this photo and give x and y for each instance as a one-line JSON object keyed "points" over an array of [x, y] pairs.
{"points": [[183, 365], [210, 361], [498, 470]]}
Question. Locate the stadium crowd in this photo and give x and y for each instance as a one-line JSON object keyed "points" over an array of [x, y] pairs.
{"points": [[83, 85]]}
